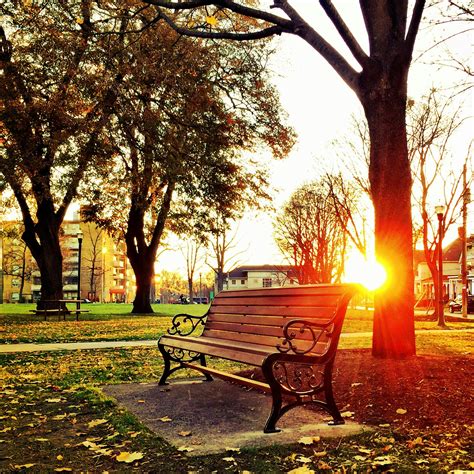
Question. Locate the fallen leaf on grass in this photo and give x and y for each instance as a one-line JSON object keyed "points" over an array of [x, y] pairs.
{"points": [[415, 442], [54, 400], [129, 457], [307, 440], [229, 459], [303, 459], [98, 422], [347, 414], [320, 454], [401, 411], [185, 449], [23, 466], [323, 465], [382, 461], [235, 450], [42, 440], [165, 419], [184, 433], [301, 470], [59, 457], [63, 469]]}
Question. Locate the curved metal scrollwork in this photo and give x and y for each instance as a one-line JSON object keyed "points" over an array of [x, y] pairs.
{"points": [[181, 355], [298, 378], [299, 327], [180, 320]]}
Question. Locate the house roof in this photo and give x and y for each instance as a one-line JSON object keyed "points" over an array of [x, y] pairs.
{"points": [[452, 252], [242, 271]]}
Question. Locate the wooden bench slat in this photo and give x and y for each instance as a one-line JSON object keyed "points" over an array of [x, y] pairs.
{"points": [[236, 352], [278, 321], [314, 290], [294, 312], [248, 329], [284, 300]]}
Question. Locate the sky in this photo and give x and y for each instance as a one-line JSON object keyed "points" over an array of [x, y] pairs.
{"points": [[319, 107]]}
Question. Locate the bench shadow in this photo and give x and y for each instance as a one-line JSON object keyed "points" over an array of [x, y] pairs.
{"points": [[218, 415]]}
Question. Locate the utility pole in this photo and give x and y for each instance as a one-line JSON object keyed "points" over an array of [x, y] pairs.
{"points": [[466, 198]]}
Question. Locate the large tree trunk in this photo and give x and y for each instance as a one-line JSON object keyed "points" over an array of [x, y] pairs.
{"points": [[390, 180], [144, 276], [48, 256]]}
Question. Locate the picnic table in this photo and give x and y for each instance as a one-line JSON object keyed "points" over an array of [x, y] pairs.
{"points": [[60, 308]]}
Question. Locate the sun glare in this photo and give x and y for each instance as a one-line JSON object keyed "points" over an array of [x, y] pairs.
{"points": [[368, 273]]}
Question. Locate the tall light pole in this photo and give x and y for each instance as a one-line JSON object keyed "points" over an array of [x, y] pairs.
{"points": [[200, 288], [79, 258], [440, 307], [104, 251]]}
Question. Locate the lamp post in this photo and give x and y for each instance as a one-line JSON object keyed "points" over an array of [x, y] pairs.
{"points": [[104, 251], [440, 213], [79, 257], [200, 288]]}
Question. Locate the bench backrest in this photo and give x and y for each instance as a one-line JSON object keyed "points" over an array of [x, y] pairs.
{"points": [[258, 316]]}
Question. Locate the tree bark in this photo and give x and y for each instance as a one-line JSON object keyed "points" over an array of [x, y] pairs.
{"points": [[47, 253], [390, 180], [144, 275]]}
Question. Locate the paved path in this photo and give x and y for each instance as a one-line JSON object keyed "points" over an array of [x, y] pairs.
{"points": [[70, 346]]}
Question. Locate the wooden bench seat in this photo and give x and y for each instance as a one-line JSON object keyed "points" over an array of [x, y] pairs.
{"points": [[292, 333]]}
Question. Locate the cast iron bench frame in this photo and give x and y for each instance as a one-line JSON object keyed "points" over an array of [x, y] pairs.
{"points": [[292, 333]]}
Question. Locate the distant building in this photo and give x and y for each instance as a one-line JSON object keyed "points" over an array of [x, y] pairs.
{"points": [[261, 276], [106, 275], [424, 287]]}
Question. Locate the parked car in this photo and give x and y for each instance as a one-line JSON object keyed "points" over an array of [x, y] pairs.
{"points": [[456, 304]]}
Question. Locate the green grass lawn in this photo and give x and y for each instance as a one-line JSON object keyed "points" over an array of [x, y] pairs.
{"points": [[102, 324]]}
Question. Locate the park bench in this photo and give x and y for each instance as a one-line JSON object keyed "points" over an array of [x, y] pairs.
{"points": [[60, 310], [291, 333]]}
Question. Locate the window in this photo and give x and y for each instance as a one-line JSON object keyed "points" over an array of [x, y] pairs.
{"points": [[15, 283], [242, 282], [267, 282], [234, 282]]}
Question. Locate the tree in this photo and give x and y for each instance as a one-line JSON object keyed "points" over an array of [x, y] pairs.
{"points": [[192, 253], [309, 234], [380, 83], [222, 243], [432, 126], [347, 206], [60, 77], [190, 109]]}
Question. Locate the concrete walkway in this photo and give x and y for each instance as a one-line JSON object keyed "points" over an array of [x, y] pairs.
{"points": [[71, 346]]}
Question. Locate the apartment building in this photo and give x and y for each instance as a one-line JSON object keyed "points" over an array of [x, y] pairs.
{"points": [[104, 270]]}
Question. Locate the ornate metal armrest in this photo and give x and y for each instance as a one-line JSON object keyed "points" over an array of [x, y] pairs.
{"points": [[295, 326], [181, 319]]}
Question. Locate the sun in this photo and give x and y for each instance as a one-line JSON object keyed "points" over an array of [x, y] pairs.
{"points": [[368, 272]]}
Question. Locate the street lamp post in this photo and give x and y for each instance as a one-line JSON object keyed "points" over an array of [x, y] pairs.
{"points": [[200, 288], [79, 258], [440, 307], [104, 251]]}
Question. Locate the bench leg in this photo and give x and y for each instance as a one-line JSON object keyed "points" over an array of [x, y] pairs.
{"points": [[276, 412], [202, 359], [167, 367], [331, 403]]}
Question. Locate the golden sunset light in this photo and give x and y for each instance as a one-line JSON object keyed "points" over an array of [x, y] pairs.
{"points": [[369, 273]]}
